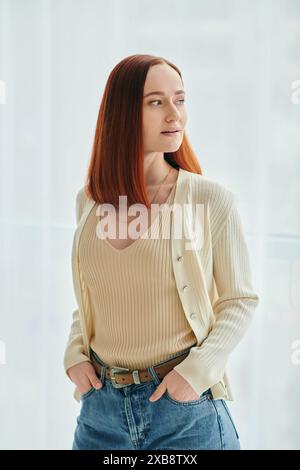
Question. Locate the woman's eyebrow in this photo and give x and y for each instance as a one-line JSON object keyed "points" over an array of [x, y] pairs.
{"points": [[178, 92]]}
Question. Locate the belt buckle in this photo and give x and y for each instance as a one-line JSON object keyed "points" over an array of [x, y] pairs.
{"points": [[114, 370]]}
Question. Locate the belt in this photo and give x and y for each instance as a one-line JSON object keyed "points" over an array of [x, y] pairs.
{"points": [[121, 376]]}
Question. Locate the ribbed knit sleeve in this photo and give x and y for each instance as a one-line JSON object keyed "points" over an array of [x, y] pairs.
{"points": [[234, 308], [74, 350], [80, 201]]}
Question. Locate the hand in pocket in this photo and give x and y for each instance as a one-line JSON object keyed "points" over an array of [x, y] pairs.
{"points": [[84, 376]]}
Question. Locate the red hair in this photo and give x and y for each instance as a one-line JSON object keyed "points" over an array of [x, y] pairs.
{"points": [[117, 161]]}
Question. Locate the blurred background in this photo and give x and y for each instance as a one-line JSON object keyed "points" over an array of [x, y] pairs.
{"points": [[240, 61]]}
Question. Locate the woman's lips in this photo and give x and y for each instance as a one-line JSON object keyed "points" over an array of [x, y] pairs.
{"points": [[169, 134]]}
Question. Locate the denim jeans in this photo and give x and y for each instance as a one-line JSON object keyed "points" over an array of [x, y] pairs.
{"points": [[124, 418]]}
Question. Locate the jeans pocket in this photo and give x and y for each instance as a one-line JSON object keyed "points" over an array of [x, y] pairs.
{"points": [[230, 417], [87, 394], [205, 396]]}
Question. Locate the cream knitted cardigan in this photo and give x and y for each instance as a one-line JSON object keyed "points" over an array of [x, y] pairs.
{"points": [[213, 281]]}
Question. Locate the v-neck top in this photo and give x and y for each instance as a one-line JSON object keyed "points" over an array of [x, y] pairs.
{"points": [[137, 316]]}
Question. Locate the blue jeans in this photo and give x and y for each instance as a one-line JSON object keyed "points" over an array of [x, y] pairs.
{"points": [[124, 418]]}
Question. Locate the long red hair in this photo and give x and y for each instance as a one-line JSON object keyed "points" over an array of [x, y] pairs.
{"points": [[117, 161]]}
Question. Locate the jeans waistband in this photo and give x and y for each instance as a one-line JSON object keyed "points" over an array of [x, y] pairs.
{"points": [[181, 353]]}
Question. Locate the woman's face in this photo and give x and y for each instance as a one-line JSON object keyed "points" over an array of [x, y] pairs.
{"points": [[163, 111]]}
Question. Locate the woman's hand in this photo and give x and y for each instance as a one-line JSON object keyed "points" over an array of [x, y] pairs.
{"points": [[84, 376], [177, 387]]}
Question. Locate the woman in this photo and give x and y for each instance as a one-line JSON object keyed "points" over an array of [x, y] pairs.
{"points": [[157, 315]]}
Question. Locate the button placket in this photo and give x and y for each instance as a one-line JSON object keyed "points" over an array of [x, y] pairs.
{"points": [[193, 315]]}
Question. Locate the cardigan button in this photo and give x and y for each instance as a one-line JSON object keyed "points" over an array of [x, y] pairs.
{"points": [[193, 315], [185, 288], [179, 258]]}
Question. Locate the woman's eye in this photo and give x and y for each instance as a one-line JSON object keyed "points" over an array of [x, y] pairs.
{"points": [[156, 101]]}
